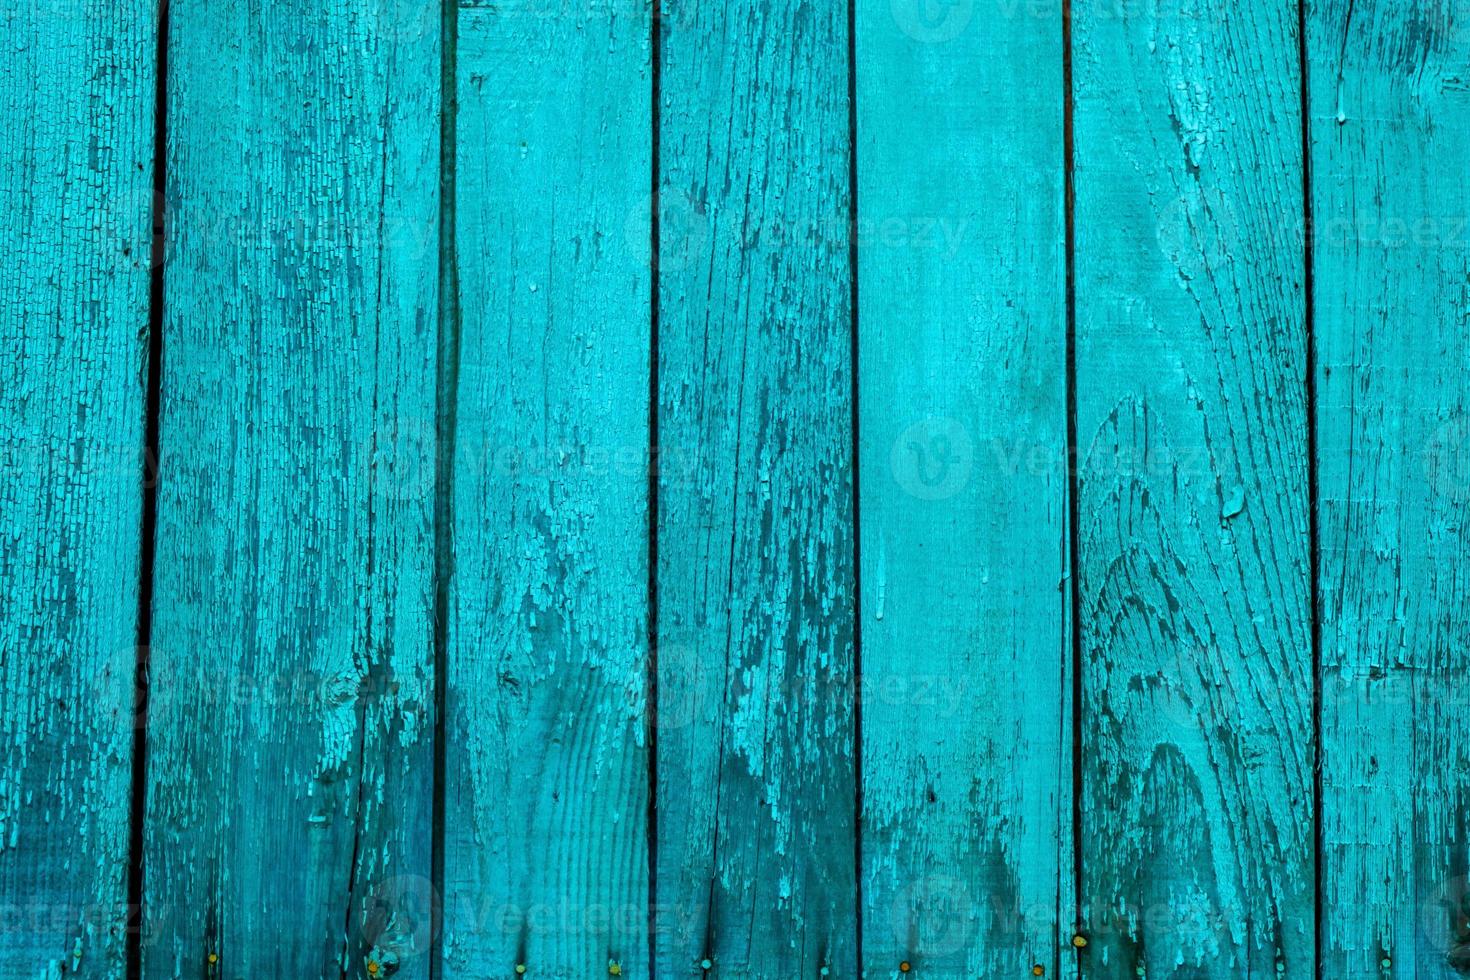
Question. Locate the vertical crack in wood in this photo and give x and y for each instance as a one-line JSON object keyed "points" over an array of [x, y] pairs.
{"points": [[1074, 594], [857, 536], [1314, 538], [447, 391], [650, 714], [151, 474]]}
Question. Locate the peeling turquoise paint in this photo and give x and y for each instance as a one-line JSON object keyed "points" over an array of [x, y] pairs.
{"points": [[782, 489], [76, 100]]}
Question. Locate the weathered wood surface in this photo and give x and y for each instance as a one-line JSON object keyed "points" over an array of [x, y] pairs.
{"points": [[76, 94], [1196, 844], [845, 584], [756, 809], [962, 394], [291, 728], [1390, 131], [546, 850]]}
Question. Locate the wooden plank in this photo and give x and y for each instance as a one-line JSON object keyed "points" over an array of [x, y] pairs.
{"points": [[967, 760], [756, 807], [546, 850], [290, 789], [1196, 836], [1389, 134], [76, 93]]}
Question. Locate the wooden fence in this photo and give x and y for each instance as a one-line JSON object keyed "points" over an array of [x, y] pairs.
{"points": [[766, 489]]}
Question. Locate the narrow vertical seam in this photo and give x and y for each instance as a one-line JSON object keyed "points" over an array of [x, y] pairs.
{"points": [[855, 449], [1073, 480], [651, 709], [1313, 499], [446, 407], [148, 531]]}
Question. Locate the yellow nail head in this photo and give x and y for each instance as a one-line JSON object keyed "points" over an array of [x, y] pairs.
{"points": [[615, 969], [214, 957], [905, 967], [1038, 970], [1079, 940], [373, 967], [520, 969]]}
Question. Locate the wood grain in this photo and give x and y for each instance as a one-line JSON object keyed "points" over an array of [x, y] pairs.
{"points": [[1197, 845], [962, 387], [755, 542], [76, 94], [1389, 126], [289, 803], [546, 851], [850, 543]]}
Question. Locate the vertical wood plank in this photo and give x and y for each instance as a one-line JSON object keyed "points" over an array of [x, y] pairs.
{"points": [[756, 863], [1197, 844], [546, 860], [77, 97], [962, 390], [1390, 127], [291, 733]]}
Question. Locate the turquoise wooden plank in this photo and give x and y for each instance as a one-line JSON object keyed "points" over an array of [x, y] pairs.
{"points": [[1196, 841], [756, 772], [290, 792], [546, 848], [1389, 134], [967, 789], [76, 94]]}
